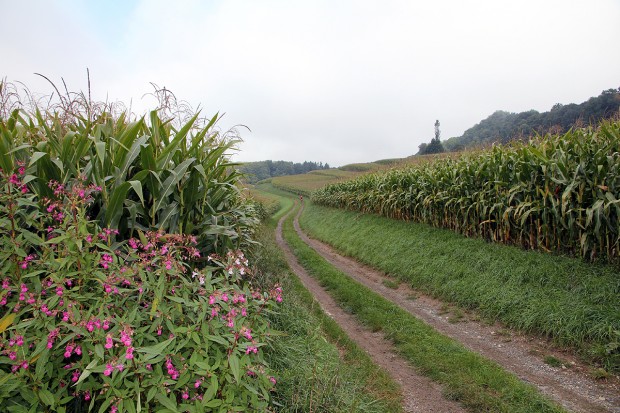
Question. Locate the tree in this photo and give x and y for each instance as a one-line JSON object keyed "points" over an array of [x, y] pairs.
{"points": [[435, 146]]}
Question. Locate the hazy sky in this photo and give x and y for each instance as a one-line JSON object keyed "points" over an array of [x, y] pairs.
{"points": [[332, 81]]}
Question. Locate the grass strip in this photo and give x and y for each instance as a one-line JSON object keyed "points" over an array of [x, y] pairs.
{"points": [[573, 302], [477, 383], [319, 368]]}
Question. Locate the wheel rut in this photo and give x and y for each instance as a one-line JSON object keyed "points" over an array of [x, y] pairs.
{"points": [[420, 394], [570, 386]]}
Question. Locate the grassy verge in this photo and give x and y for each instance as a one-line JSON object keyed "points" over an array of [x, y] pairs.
{"points": [[319, 368], [479, 384], [573, 302]]}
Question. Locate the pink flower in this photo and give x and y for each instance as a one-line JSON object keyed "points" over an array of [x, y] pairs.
{"points": [[211, 300], [185, 395], [108, 370], [75, 376], [197, 384], [272, 380], [108, 342], [129, 353], [114, 409]]}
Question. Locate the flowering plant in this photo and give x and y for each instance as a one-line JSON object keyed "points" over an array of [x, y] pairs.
{"points": [[91, 325]]}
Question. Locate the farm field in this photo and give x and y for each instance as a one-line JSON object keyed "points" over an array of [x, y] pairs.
{"points": [[324, 273], [140, 274], [305, 184]]}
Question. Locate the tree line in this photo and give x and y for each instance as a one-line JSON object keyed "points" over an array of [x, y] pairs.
{"points": [[257, 171], [502, 126]]}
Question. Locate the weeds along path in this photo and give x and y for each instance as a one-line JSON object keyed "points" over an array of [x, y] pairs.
{"points": [[570, 387], [420, 394]]}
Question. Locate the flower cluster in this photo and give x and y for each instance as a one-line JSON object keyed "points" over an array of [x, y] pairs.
{"points": [[101, 316]]}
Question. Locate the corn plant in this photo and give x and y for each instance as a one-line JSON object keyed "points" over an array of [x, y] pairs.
{"points": [[153, 175], [555, 193]]}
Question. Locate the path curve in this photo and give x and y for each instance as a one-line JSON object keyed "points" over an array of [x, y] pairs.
{"points": [[420, 394], [520, 354]]}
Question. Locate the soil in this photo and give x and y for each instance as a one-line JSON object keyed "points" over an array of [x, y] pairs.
{"points": [[557, 373], [420, 394]]}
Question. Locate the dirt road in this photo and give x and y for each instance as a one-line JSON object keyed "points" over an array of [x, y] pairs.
{"points": [[570, 384]]}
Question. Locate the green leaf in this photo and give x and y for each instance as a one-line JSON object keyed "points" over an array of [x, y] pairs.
{"points": [[166, 402], [115, 207], [87, 371], [156, 349], [137, 187], [47, 397], [36, 156], [218, 339], [233, 362]]}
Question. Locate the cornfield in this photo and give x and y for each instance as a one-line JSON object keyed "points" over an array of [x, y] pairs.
{"points": [[156, 172], [555, 193]]}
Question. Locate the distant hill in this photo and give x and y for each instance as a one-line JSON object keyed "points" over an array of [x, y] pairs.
{"points": [[257, 171], [502, 126]]}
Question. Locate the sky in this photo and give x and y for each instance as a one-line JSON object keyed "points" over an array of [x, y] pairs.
{"points": [[336, 81]]}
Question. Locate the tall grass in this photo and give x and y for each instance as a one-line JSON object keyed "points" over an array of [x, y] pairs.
{"points": [[557, 193]]}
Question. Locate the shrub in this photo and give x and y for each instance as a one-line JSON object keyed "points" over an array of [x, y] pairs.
{"points": [[92, 324]]}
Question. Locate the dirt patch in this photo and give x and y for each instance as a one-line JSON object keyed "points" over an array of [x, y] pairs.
{"points": [[559, 375], [420, 394]]}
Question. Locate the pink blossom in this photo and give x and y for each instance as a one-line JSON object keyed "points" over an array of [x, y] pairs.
{"points": [[272, 380], [108, 342], [75, 376], [197, 384], [185, 395], [129, 353], [211, 300]]}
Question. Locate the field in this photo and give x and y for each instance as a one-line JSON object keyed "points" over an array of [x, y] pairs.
{"points": [[307, 183], [139, 274]]}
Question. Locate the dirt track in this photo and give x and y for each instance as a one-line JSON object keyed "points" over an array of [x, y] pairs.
{"points": [[420, 394], [569, 385]]}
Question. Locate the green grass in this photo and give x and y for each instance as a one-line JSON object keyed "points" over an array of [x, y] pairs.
{"points": [[573, 302], [478, 384], [319, 369]]}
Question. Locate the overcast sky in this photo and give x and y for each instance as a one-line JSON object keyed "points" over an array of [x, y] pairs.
{"points": [[331, 81]]}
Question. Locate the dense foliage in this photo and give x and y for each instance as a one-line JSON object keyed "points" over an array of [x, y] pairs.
{"points": [[257, 171], [155, 174], [87, 324], [558, 193], [123, 285], [504, 126]]}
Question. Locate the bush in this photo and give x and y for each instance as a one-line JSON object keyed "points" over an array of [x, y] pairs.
{"points": [[92, 324]]}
